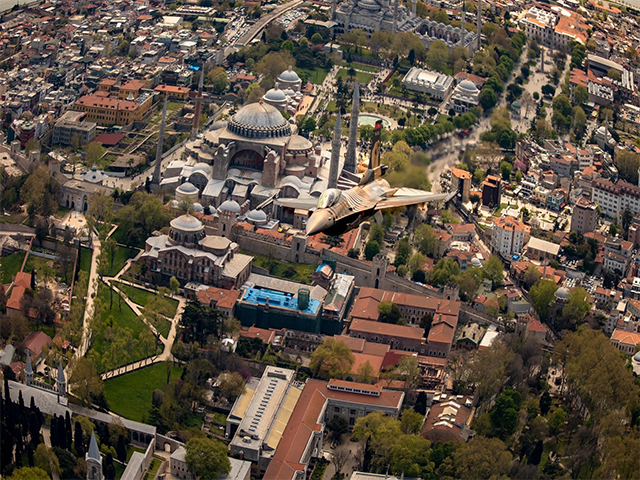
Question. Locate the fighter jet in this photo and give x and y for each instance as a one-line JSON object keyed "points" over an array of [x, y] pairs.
{"points": [[338, 211]]}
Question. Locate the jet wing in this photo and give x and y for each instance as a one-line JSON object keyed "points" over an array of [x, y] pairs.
{"points": [[301, 203], [411, 196]]}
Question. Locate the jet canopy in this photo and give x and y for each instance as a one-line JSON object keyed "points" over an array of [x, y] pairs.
{"points": [[329, 198]]}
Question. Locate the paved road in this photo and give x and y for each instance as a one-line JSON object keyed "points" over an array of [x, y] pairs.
{"points": [[257, 27]]}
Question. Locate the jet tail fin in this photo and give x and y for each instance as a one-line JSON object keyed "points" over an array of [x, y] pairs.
{"points": [[374, 159]]}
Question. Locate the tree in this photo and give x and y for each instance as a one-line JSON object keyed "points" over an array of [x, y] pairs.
{"points": [[365, 372], [389, 312], [231, 385], [403, 252], [46, 459], [28, 473], [627, 163], [273, 64], [545, 402], [217, 80], [42, 230], [580, 95], [438, 55], [411, 422], [174, 285], [542, 295], [416, 262], [207, 458], [493, 270], [504, 414], [371, 249], [426, 240], [337, 427], [93, 153], [579, 121], [576, 308], [85, 381], [332, 359], [488, 98], [506, 168], [481, 457], [316, 38], [556, 421], [531, 276], [78, 439]]}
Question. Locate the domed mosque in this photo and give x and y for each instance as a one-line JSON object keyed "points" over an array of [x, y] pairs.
{"points": [[190, 255], [286, 95], [250, 158]]}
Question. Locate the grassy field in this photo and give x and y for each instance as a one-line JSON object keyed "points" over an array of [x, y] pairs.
{"points": [[11, 265], [143, 297], [296, 272], [362, 66], [316, 75], [125, 319], [120, 236], [85, 259], [39, 263], [363, 78], [130, 395], [154, 466], [120, 258]]}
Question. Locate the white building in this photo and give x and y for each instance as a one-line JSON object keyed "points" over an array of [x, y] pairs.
{"points": [[465, 96], [614, 198], [435, 84], [508, 236]]}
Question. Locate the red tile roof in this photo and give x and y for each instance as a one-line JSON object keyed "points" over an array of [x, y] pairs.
{"points": [[386, 329]]}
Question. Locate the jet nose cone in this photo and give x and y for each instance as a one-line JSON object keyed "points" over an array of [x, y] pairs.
{"points": [[318, 222]]}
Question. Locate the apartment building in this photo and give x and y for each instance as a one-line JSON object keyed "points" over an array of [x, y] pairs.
{"points": [[508, 236], [614, 198], [584, 217], [70, 124]]}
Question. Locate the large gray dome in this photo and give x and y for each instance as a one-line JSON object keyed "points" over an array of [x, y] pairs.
{"points": [[186, 223], [230, 206], [259, 120]]}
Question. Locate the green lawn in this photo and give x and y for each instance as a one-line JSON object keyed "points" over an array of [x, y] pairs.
{"points": [[40, 264], [130, 451], [154, 466], [143, 297], [14, 218], [120, 236], [499, 209], [362, 78], [125, 319], [163, 327], [130, 395], [11, 265], [119, 468], [120, 258], [296, 272], [361, 66], [316, 75], [85, 259]]}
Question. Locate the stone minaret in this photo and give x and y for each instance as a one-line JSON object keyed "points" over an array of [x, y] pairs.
{"points": [[395, 16], [463, 32], [28, 370], [61, 381], [414, 7], [196, 112], [334, 7], [158, 168], [479, 24], [94, 460], [334, 166], [350, 162]]}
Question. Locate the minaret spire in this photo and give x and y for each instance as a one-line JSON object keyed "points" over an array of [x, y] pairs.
{"points": [[158, 167], [463, 32], [350, 163], [196, 113], [334, 166], [479, 25], [414, 7], [395, 16]]}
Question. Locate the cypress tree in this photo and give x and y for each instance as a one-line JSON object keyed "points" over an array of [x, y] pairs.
{"points": [[53, 431], [121, 449], [62, 434], [30, 455], [68, 431], [79, 440]]}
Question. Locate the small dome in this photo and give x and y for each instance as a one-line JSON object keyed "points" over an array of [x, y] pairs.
{"points": [[187, 187], [233, 172], [275, 95], [299, 144], [230, 206], [257, 216], [289, 75], [186, 222], [636, 357], [198, 208], [476, 262], [292, 180], [289, 92], [562, 293], [202, 167], [468, 85]]}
